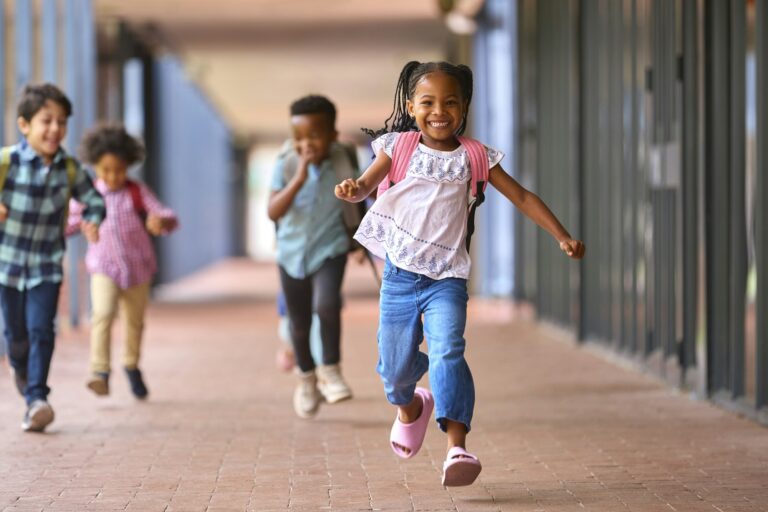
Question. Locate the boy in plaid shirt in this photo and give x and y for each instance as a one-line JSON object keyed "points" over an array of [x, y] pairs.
{"points": [[39, 179]]}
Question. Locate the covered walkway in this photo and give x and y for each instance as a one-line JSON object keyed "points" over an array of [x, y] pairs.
{"points": [[557, 427]]}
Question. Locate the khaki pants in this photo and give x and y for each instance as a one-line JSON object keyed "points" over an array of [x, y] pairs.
{"points": [[105, 296]]}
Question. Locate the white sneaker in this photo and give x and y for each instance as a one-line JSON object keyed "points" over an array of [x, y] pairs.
{"points": [[38, 416], [306, 397], [331, 384]]}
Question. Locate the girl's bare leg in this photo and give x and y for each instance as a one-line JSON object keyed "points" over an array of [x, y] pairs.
{"points": [[457, 434]]}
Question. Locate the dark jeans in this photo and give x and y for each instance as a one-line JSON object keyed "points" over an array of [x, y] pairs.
{"points": [[321, 293], [29, 333]]}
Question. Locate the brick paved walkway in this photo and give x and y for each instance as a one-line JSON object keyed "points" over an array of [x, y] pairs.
{"points": [[557, 428]]}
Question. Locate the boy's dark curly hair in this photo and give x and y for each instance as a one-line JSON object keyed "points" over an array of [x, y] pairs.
{"points": [[111, 139], [34, 96], [315, 104]]}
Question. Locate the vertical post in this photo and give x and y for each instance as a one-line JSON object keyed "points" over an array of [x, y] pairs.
{"points": [[737, 210], [49, 34], [72, 73], [498, 35], [88, 65], [88, 91], [2, 74], [630, 182], [717, 197], [690, 183], [23, 40], [761, 215]]}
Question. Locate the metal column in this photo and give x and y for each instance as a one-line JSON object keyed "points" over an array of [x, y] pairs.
{"points": [[737, 214], [761, 217], [49, 33]]}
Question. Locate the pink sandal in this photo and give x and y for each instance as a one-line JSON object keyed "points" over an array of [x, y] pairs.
{"points": [[411, 435], [460, 468]]}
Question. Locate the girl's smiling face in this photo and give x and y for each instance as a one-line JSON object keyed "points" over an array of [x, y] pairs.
{"points": [[439, 109], [112, 170]]}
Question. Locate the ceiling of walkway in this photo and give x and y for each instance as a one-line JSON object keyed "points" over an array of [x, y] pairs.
{"points": [[253, 57]]}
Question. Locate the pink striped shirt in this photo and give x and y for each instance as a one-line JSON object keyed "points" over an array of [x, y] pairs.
{"points": [[124, 251]]}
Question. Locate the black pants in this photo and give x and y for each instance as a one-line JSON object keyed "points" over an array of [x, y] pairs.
{"points": [[319, 293]]}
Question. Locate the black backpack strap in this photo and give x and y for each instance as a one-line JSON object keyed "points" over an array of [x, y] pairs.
{"points": [[479, 198]]}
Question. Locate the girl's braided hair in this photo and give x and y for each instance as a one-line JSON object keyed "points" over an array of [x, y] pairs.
{"points": [[413, 71]]}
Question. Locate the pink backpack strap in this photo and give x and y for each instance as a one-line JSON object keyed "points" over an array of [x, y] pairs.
{"points": [[478, 162], [405, 145]]}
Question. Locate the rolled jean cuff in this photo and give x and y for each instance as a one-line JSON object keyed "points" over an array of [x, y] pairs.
{"points": [[441, 419], [400, 397]]}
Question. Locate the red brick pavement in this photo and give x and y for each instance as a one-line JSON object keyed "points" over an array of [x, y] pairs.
{"points": [[557, 428]]}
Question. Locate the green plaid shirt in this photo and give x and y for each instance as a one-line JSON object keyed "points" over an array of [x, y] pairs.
{"points": [[32, 238]]}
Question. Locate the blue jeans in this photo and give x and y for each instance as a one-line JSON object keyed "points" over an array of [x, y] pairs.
{"points": [[405, 297], [29, 333]]}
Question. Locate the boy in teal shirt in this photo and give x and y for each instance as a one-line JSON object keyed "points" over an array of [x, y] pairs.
{"points": [[312, 247]]}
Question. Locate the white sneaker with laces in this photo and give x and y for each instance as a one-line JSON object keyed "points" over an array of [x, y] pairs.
{"points": [[38, 416], [306, 397], [331, 384]]}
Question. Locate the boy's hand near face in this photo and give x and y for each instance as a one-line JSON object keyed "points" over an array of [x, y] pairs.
{"points": [[90, 231], [307, 154], [303, 169], [3, 212]]}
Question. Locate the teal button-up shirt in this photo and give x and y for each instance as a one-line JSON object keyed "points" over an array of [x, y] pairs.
{"points": [[312, 230]]}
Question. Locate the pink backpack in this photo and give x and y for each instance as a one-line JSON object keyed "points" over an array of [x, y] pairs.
{"points": [[406, 144]]}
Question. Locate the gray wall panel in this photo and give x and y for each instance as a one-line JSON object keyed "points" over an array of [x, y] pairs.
{"points": [[196, 184]]}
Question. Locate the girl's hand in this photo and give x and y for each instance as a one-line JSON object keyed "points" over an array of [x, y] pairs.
{"points": [[3, 212], [169, 225], [347, 190], [90, 231], [154, 225], [573, 248]]}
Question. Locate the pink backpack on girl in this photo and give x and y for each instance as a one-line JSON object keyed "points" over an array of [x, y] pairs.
{"points": [[406, 144]]}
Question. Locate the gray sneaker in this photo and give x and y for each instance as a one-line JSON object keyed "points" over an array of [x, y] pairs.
{"points": [[306, 397], [20, 379], [38, 416], [331, 384]]}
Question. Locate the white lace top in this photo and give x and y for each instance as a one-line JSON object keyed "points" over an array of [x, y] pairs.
{"points": [[421, 223]]}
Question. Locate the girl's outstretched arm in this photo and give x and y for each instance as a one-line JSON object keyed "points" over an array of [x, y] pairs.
{"points": [[355, 191], [535, 209]]}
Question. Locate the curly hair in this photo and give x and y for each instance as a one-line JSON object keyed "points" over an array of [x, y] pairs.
{"points": [[413, 71], [315, 104], [34, 96], [111, 139]]}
